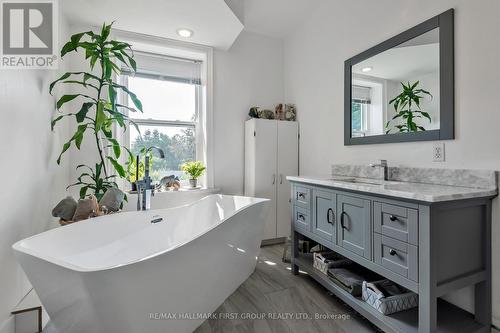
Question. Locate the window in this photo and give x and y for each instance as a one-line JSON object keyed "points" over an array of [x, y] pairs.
{"points": [[360, 108], [170, 91]]}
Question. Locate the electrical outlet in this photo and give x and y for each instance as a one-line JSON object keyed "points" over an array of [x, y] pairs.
{"points": [[438, 152]]}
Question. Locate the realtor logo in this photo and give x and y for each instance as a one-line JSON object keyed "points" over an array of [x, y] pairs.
{"points": [[29, 34]]}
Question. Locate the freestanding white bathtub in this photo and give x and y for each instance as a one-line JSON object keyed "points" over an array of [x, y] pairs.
{"points": [[124, 274]]}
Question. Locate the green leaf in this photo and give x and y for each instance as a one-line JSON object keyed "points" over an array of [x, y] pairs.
{"points": [[83, 192], [63, 77], [132, 63], [106, 30], [118, 167], [65, 148], [65, 99], [100, 117], [133, 96], [116, 147], [78, 136], [93, 60], [112, 96], [68, 47], [120, 57], [126, 107], [75, 39], [54, 121], [426, 115], [80, 116]]}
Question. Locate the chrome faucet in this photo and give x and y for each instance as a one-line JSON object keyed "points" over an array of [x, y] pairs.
{"points": [[384, 166], [145, 185]]}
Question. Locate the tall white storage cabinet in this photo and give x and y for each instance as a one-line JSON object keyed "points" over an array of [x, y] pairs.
{"points": [[271, 154]]}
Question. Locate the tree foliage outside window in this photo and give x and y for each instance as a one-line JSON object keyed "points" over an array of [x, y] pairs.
{"points": [[179, 149]]}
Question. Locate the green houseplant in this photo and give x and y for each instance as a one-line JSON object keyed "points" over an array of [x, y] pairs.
{"points": [[195, 170], [99, 111], [407, 107]]}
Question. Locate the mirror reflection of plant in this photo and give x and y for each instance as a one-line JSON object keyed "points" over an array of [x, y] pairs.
{"points": [[99, 110], [403, 105]]}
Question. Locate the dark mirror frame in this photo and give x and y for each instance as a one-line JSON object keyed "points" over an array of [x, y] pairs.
{"points": [[445, 24]]}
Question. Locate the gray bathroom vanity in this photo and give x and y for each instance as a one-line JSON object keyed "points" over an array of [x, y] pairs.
{"points": [[416, 229]]}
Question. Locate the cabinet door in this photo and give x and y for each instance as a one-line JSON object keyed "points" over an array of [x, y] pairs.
{"points": [[288, 165], [354, 227], [264, 175], [324, 208]]}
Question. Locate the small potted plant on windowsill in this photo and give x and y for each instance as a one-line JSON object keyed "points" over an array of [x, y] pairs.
{"points": [[195, 170]]}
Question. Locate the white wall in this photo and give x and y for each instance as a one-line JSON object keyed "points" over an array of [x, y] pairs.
{"points": [[32, 182], [249, 74], [314, 64]]}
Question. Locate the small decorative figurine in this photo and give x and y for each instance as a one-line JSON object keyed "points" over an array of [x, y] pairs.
{"points": [[266, 114], [254, 112], [278, 112], [290, 112], [169, 182]]}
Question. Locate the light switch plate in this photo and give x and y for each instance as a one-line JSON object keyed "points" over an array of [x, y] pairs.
{"points": [[438, 152]]}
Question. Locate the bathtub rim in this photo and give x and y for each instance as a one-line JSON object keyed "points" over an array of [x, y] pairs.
{"points": [[20, 248]]}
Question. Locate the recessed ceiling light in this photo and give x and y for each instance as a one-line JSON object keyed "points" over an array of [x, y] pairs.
{"points": [[186, 33], [366, 69]]}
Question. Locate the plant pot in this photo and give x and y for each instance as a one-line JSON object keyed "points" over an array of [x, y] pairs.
{"points": [[193, 182]]}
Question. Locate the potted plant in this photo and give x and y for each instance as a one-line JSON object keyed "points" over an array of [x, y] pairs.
{"points": [[195, 170], [99, 111], [403, 105]]}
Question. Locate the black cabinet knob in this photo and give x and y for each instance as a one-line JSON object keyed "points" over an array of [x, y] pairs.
{"points": [[392, 252], [330, 216], [393, 218]]}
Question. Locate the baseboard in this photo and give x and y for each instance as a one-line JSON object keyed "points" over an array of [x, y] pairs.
{"points": [[8, 326], [273, 241]]}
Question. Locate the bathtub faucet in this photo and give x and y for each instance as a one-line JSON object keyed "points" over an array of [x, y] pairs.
{"points": [[145, 185]]}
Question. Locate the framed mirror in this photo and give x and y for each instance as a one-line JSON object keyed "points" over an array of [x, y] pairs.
{"points": [[402, 89]]}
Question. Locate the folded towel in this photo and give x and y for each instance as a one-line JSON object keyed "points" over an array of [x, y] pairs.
{"points": [[351, 278]]}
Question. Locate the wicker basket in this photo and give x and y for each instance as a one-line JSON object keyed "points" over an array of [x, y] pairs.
{"points": [[401, 300], [324, 260]]}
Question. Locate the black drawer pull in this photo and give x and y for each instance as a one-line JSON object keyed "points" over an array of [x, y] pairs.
{"points": [[392, 252], [301, 195], [393, 218], [328, 214], [301, 217], [342, 220]]}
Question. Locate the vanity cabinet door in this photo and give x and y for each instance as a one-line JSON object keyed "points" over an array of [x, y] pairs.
{"points": [[324, 211], [354, 225]]}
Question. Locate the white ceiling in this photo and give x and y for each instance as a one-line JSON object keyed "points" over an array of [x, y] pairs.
{"points": [[402, 63], [275, 18], [212, 21]]}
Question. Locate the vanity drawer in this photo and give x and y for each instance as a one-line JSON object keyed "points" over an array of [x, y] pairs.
{"points": [[302, 196], [396, 256], [302, 218], [396, 221]]}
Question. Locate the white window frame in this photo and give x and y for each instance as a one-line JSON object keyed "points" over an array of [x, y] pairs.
{"points": [[204, 119]]}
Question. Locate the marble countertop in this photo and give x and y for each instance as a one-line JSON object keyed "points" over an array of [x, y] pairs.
{"points": [[398, 189]]}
